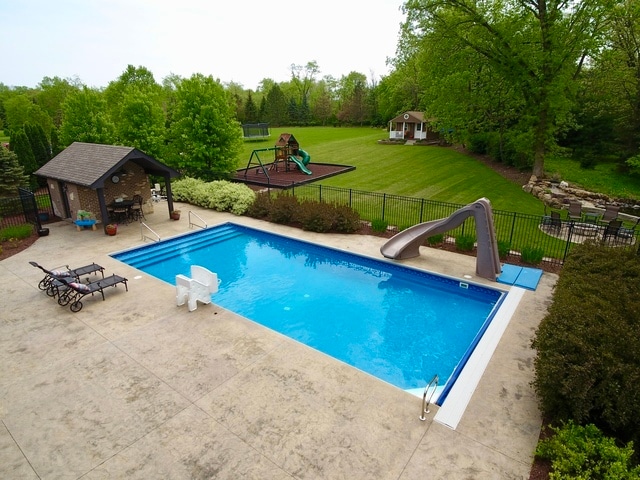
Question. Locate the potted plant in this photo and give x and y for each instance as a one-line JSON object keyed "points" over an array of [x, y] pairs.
{"points": [[111, 229], [175, 215]]}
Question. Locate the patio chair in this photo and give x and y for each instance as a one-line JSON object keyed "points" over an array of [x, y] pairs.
{"points": [[77, 291], [628, 233], [65, 272], [611, 230], [610, 213], [552, 222], [136, 209], [575, 211]]}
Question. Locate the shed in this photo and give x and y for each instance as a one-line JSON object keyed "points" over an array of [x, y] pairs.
{"points": [[89, 176], [411, 125]]}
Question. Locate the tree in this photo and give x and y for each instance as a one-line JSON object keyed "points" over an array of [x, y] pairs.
{"points": [[250, 110], [51, 95], [276, 107], [85, 119], [11, 174], [538, 45], [39, 144], [206, 137], [21, 109], [21, 147]]}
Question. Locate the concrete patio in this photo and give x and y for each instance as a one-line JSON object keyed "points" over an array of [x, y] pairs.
{"points": [[135, 387]]}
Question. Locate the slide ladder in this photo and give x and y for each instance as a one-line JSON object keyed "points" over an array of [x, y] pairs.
{"points": [[406, 244]]}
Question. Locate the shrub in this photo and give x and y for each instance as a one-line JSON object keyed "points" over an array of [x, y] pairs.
{"points": [[584, 452], [316, 217], [17, 232], [379, 225], [284, 209], [504, 248], [219, 195], [531, 255], [465, 243], [347, 219], [435, 239], [260, 207], [587, 363]]}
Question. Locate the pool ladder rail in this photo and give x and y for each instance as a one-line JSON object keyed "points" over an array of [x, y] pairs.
{"points": [[191, 224], [143, 229], [429, 390]]}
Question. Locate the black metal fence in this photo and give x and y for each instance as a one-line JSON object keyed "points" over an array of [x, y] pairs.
{"points": [[13, 211], [531, 237]]}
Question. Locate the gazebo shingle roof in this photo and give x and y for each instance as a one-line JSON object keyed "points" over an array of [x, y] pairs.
{"points": [[89, 164]]}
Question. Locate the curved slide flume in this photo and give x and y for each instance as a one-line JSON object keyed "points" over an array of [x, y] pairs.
{"points": [[406, 244]]}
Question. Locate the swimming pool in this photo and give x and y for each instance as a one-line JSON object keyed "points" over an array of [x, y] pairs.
{"points": [[399, 324]]}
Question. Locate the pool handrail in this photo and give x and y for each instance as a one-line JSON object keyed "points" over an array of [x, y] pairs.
{"points": [[142, 232], [191, 224], [426, 401]]}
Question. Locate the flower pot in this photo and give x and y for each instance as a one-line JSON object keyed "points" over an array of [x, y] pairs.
{"points": [[111, 229], [175, 215]]}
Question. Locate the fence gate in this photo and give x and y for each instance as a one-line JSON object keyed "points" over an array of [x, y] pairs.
{"points": [[30, 210]]}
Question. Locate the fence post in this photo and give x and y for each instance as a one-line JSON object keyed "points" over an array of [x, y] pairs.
{"points": [[320, 193], [384, 204], [513, 227], [421, 209], [350, 201]]}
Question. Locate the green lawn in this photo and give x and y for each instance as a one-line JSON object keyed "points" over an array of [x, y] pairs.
{"points": [[435, 173]]}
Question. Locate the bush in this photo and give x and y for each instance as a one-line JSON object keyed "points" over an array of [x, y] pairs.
{"points": [[531, 255], [218, 195], [316, 217], [587, 363], [504, 248], [465, 243], [436, 239], [379, 225], [284, 209], [260, 207], [584, 452], [16, 232], [347, 219]]}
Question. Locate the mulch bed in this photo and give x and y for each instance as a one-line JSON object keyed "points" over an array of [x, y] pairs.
{"points": [[281, 178]]}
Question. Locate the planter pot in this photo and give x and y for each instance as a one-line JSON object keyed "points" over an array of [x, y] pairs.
{"points": [[43, 232], [111, 229], [175, 215], [43, 217]]}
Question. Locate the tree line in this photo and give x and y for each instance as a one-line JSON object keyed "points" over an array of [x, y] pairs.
{"points": [[517, 80]]}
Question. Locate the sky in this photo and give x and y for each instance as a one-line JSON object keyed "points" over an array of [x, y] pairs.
{"points": [[241, 41]]}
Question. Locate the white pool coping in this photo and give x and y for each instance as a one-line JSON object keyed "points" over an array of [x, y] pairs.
{"points": [[460, 394]]}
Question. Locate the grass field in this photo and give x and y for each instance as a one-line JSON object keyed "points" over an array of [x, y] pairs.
{"points": [[435, 173]]}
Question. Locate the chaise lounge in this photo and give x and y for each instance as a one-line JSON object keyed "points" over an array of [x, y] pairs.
{"points": [[76, 291], [64, 272]]}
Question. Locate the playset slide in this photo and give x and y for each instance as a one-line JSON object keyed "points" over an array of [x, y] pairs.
{"points": [[406, 244], [302, 162]]}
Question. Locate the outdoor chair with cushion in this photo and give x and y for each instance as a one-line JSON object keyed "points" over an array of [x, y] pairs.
{"points": [[76, 291], [628, 233], [552, 222], [65, 273]]}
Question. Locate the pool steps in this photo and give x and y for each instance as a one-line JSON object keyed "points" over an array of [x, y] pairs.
{"points": [[172, 247]]}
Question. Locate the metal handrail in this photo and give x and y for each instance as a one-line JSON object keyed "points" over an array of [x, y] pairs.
{"points": [[425, 402], [142, 232], [191, 224]]}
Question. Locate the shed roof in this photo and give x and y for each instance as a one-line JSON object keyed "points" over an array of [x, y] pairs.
{"points": [[90, 164], [410, 116]]}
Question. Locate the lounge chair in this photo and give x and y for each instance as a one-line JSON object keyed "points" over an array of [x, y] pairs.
{"points": [[76, 291], [552, 222], [628, 233], [610, 213], [65, 272]]}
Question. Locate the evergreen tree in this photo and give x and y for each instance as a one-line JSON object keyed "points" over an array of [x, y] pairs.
{"points": [[22, 148], [39, 143], [276, 107], [250, 110], [11, 174]]}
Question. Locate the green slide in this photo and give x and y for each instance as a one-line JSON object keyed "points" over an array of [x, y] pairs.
{"points": [[302, 163]]}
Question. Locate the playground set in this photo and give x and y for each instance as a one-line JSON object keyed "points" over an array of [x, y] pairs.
{"points": [[287, 152]]}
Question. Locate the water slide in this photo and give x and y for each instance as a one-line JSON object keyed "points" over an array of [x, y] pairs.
{"points": [[406, 244], [302, 162]]}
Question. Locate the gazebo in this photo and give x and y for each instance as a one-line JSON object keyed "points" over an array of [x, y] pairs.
{"points": [[89, 176]]}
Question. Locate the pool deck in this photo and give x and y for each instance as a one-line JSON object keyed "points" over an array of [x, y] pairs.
{"points": [[135, 387]]}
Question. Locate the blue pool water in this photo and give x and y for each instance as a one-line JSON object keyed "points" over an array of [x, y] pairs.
{"points": [[400, 324]]}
